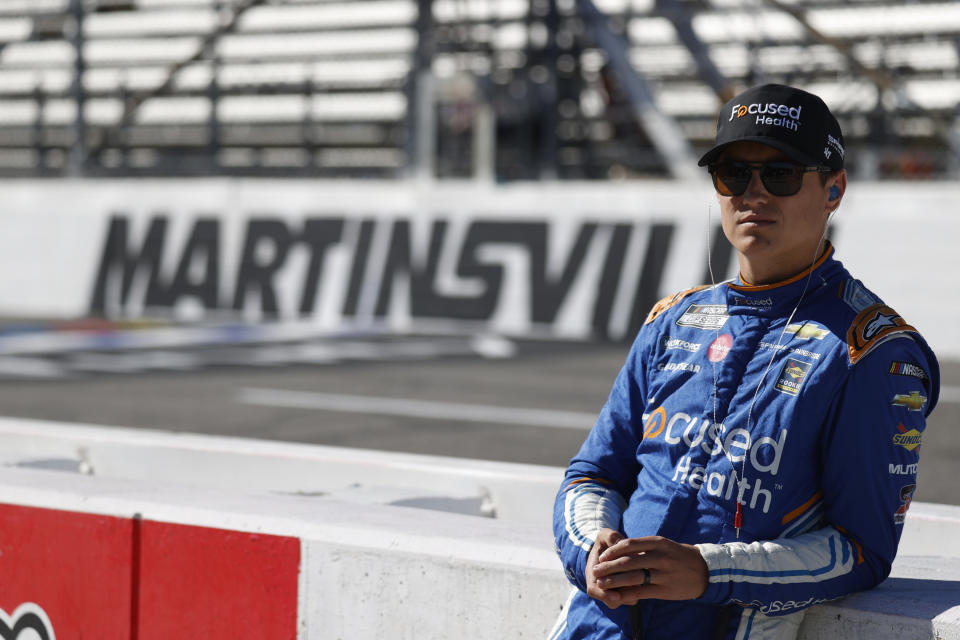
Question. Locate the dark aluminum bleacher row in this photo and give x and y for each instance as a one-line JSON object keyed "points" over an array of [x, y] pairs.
{"points": [[329, 87], [300, 88]]}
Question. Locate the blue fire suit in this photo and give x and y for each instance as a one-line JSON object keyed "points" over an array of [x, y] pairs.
{"points": [[813, 423]]}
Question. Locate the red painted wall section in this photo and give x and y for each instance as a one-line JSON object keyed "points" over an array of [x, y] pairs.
{"points": [[198, 582], [76, 567], [88, 576]]}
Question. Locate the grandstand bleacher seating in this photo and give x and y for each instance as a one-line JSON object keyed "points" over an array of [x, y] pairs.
{"points": [[328, 87]]}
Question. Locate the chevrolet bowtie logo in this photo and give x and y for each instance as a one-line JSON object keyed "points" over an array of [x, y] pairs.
{"points": [[913, 402], [807, 330]]}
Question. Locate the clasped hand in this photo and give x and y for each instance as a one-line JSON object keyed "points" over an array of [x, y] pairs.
{"points": [[615, 569]]}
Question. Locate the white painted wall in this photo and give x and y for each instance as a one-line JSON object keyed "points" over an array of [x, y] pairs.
{"points": [[517, 493], [520, 493], [897, 237]]}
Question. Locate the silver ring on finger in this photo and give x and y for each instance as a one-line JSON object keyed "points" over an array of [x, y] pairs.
{"points": [[646, 577]]}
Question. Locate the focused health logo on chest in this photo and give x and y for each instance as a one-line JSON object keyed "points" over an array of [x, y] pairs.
{"points": [[738, 445]]}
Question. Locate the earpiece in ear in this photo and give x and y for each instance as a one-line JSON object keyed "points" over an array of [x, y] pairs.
{"points": [[834, 192]]}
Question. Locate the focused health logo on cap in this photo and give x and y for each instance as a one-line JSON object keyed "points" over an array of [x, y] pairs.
{"points": [[772, 114], [788, 119]]}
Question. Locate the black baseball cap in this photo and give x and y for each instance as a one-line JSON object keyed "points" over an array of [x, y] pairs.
{"points": [[788, 119]]}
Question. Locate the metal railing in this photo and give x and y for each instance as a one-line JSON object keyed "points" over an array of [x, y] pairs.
{"points": [[495, 89]]}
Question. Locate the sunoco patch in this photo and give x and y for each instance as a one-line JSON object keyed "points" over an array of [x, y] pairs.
{"points": [[792, 375], [908, 439], [704, 316]]}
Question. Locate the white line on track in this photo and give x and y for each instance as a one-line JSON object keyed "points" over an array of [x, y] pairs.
{"points": [[455, 411], [416, 408]]}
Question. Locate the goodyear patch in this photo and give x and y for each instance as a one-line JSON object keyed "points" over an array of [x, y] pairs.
{"points": [[912, 401], [704, 316], [679, 366], [870, 327], [907, 369], [792, 375], [909, 439]]}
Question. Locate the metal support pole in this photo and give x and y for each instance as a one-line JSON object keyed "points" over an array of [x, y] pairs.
{"points": [[213, 95], [879, 76], [421, 118], [663, 131], [678, 15], [547, 93], [484, 138], [425, 127], [77, 163]]}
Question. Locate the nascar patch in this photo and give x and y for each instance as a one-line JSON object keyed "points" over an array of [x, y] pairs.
{"points": [[871, 327], [704, 316], [907, 369], [792, 375]]}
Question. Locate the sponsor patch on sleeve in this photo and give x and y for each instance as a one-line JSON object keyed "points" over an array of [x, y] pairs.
{"points": [[912, 401], [901, 469], [871, 327], [907, 369], [909, 439], [906, 497], [792, 375]]}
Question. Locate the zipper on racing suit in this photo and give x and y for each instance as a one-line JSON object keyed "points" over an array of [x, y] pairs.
{"points": [[636, 622]]}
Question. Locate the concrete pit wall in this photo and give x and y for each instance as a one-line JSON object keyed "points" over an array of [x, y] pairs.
{"points": [[152, 521]]}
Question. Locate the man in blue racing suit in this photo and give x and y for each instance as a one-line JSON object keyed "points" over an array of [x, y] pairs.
{"points": [[759, 449]]}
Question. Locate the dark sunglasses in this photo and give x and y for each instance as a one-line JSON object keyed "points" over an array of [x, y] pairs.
{"points": [[731, 177]]}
